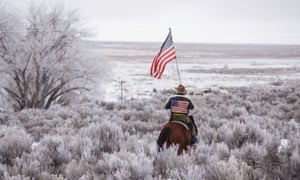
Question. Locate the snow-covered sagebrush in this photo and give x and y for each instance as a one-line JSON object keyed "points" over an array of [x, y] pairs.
{"points": [[117, 140]]}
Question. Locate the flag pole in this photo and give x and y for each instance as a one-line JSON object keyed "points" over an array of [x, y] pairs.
{"points": [[178, 72]]}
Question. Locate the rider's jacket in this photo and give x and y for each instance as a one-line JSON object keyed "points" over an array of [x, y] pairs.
{"points": [[179, 104]]}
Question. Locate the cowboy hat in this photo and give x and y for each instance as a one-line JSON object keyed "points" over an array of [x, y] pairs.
{"points": [[181, 89]]}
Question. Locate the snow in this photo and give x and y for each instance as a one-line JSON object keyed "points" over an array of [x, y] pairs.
{"points": [[283, 144], [130, 64]]}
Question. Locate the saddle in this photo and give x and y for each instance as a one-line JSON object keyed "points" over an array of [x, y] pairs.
{"points": [[181, 120], [183, 124]]}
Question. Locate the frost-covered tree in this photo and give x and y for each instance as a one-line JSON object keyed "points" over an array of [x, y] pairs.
{"points": [[38, 56]]}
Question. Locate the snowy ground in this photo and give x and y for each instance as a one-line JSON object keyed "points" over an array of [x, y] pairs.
{"points": [[201, 67], [201, 75]]}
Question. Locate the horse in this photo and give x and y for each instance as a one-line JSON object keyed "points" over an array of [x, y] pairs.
{"points": [[175, 132]]}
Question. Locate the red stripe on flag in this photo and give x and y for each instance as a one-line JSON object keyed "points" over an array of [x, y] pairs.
{"points": [[163, 62], [158, 76], [155, 62], [165, 58], [165, 55], [164, 65]]}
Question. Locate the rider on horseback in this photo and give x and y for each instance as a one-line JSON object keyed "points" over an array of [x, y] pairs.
{"points": [[179, 106]]}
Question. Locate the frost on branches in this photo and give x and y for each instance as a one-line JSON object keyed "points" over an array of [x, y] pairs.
{"points": [[38, 57]]}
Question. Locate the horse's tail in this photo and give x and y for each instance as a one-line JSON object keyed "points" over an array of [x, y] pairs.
{"points": [[163, 136]]}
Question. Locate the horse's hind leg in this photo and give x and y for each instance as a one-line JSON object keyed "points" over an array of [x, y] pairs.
{"points": [[163, 136], [180, 149]]}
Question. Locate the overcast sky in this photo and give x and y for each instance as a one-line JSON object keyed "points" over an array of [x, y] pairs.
{"points": [[204, 21]]}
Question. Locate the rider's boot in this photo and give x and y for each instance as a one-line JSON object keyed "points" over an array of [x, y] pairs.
{"points": [[194, 140]]}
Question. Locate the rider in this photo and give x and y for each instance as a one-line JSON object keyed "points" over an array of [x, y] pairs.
{"points": [[179, 106]]}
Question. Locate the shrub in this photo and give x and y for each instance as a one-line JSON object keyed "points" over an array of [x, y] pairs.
{"points": [[272, 163], [77, 170], [224, 170], [125, 165], [243, 133], [237, 137], [168, 165], [51, 154], [3, 171], [203, 153], [188, 172], [289, 155], [222, 151], [253, 155], [14, 141], [207, 134], [297, 116], [105, 136]]}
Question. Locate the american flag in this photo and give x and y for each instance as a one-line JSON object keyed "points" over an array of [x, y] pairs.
{"points": [[165, 55], [179, 106]]}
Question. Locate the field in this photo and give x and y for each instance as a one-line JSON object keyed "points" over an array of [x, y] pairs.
{"points": [[201, 66], [247, 100]]}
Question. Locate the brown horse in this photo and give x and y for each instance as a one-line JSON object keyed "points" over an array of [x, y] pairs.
{"points": [[175, 132]]}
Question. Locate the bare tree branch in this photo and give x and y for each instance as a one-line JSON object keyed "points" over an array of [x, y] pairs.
{"points": [[40, 66]]}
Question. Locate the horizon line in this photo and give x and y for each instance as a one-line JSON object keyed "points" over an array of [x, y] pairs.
{"points": [[186, 42]]}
